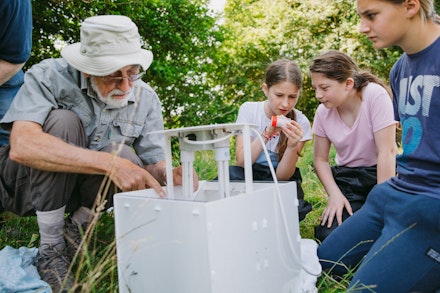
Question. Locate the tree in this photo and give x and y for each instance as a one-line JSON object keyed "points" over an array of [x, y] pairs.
{"points": [[264, 31]]}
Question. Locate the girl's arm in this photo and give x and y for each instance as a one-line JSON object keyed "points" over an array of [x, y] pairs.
{"points": [[256, 149], [336, 200], [385, 140], [287, 164], [8, 70]]}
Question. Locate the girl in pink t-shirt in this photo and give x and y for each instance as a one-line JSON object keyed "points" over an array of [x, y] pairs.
{"points": [[356, 116]]}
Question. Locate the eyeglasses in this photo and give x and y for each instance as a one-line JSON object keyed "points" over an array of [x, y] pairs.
{"points": [[110, 80]]}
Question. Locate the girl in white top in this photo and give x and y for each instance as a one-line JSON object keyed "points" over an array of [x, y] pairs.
{"points": [[356, 116], [255, 113], [282, 86]]}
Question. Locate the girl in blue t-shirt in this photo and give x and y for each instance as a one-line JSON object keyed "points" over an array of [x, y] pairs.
{"points": [[396, 234], [15, 49]]}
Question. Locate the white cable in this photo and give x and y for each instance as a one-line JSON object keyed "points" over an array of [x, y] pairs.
{"points": [[188, 141], [283, 213]]}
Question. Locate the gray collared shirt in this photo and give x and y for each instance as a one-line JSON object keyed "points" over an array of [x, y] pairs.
{"points": [[54, 84]]}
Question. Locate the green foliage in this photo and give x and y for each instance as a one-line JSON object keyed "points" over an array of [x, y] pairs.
{"points": [[24, 232], [264, 31]]}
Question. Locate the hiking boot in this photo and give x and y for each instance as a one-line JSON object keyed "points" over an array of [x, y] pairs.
{"points": [[74, 234], [53, 266]]}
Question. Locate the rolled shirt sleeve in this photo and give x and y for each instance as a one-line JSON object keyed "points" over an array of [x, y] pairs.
{"points": [[53, 84]]}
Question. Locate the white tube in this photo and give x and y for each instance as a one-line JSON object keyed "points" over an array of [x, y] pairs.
{"points": [[169, 168], [226, 175], [187, 158], [247, 159]]}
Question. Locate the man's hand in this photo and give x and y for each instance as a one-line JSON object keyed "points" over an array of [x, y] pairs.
{"points": [[178, 174], [128, 177]]}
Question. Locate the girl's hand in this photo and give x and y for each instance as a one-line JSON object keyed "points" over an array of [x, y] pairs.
{"points": [[335, 207], [293, 132], [270, 132]]}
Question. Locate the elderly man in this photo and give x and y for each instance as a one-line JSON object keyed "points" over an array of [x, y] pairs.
{"points": [[75, 120]]}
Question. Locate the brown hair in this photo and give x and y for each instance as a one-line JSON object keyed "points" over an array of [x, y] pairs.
{"points": [[280, 71], [339, 66]]}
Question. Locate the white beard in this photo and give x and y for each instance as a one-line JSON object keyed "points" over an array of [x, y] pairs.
{"points": [[109, 100]]}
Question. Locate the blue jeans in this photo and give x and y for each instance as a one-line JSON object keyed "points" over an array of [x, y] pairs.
{"points": [[8, 90], [399, 235]]}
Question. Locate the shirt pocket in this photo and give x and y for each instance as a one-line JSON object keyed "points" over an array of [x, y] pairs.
{"points": [[129, 130]]}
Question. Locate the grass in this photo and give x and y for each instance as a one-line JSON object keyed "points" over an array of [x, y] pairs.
{"points": [[96, 269]]}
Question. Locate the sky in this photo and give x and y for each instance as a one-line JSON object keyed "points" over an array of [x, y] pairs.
{"points": [[217, 5]]}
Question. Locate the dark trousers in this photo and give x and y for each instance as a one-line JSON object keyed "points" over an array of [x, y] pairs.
{"points": [[24, 190], [355, 184]]}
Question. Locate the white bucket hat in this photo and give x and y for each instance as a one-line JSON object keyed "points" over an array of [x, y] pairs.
{"points": [[108, 43]]}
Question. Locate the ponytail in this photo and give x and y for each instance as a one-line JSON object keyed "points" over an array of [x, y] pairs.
{"points": [[365, 77], [436, 18]]}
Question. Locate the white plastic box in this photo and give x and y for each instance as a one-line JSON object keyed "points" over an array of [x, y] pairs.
{"points": [[245, 241]]}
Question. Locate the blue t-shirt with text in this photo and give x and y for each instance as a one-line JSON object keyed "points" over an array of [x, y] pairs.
{"points": [[415, 81]]}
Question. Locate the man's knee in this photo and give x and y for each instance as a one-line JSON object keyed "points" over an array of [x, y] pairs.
{"points": [[67, 126], [123, 151]]}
